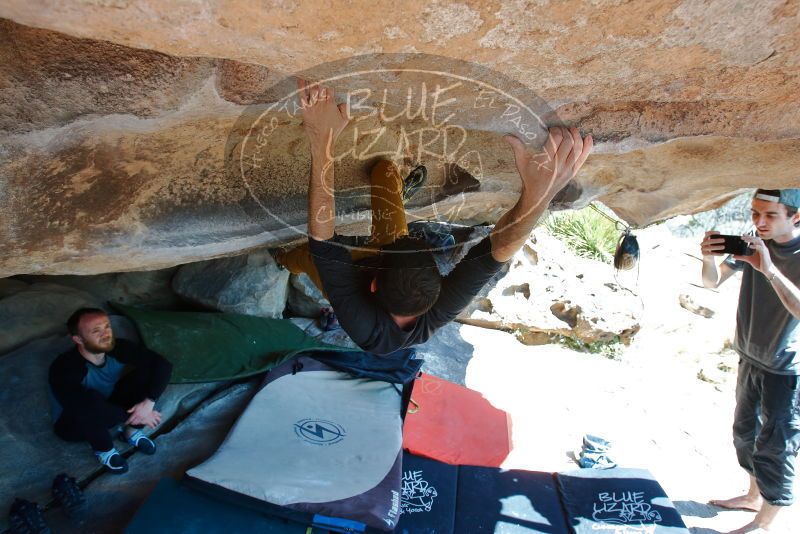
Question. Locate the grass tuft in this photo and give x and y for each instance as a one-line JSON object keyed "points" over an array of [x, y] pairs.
{"points": [[609, 349], [586, 232]]}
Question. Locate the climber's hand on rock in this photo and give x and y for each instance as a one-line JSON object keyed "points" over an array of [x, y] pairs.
{"points": [[323, 120], [544, 174]]}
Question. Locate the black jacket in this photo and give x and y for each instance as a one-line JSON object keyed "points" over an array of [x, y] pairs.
{"points": [[69, 369]]}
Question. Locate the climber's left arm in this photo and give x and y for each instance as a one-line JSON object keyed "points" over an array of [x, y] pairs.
{"points": [[543, 175], [323, 121]]}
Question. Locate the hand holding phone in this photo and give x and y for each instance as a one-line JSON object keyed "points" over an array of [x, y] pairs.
{"points": [[734, 244]]}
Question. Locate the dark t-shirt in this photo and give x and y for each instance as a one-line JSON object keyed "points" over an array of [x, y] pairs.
{"points": [[368, 324], [767, 334]]}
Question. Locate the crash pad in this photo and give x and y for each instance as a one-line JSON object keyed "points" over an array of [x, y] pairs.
{"points": [[455, 425], [439, 498], [427, 496], [173, 508], [315, 444], [210, 346], [617, 500], [508, 501]]}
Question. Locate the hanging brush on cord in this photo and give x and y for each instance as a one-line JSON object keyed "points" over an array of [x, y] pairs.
{"points": [[626, 256]]}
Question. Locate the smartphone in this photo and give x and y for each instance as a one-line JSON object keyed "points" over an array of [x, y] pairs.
{"points": [[735, 245]]}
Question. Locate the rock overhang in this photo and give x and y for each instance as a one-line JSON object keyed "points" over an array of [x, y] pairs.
{"points": [[117, 133]]}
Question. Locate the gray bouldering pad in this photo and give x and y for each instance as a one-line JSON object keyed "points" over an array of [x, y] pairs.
{"points": [[314, 441]]}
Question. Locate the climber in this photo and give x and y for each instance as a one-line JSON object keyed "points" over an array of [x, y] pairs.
{"points": [[405, 300]]}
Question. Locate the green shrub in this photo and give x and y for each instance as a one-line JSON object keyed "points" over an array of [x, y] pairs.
{"points": [[609, 349], [586, 232]]}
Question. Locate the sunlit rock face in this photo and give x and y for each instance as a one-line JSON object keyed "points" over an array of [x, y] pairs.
{"points": [[140, 135]]}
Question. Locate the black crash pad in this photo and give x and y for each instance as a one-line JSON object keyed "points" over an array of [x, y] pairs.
{"points": [[438, 498], [175, 508], [508, 501], [427, 496], [618, 500]]}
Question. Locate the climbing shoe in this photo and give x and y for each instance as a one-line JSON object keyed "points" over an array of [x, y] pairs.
{"points": [[113, 461], [69, 496], [414, 182], [25, 517], [328, 321], [142, 443]]}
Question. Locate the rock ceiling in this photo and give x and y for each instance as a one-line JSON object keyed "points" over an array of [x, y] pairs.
{"points": [[123, 124]]}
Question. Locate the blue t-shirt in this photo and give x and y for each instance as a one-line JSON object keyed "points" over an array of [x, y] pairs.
{"points": [[767, 335], [101, 378]]}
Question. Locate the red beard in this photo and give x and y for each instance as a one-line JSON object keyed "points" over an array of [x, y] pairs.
{"points": [[99, 348]]}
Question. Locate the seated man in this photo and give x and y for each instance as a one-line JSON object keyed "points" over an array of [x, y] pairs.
{"points": [[91, 392], [406, 300]]}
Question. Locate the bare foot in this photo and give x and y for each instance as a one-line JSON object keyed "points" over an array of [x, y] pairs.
{"points": [[743, 502], [763, 522], [755, 528]]}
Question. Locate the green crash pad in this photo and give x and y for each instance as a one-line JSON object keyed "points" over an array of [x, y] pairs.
{"points": [[210, 346]]}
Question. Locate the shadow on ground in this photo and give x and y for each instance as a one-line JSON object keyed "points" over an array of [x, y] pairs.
{"points": [[696, 509]]}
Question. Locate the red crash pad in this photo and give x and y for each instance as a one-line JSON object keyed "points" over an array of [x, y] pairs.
{"points": [[455, 425]]}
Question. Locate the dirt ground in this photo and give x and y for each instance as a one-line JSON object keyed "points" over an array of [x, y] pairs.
{"points": [[666, 401]]}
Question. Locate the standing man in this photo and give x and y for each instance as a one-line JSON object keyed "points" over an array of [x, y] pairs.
{"points": [[406, 300], [766, 426], [103, 382]]}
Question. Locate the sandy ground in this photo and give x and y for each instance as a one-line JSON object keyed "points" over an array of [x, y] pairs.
{"points": [[649, 402]]}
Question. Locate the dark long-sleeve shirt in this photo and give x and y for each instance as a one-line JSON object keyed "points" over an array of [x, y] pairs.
{"points": [[68, 373], [368, 324]]}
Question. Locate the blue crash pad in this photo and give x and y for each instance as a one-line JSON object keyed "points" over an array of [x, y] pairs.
{"points": [[438, 498], [427, 496], [174, 508], [618, 500], [497, 501]]}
